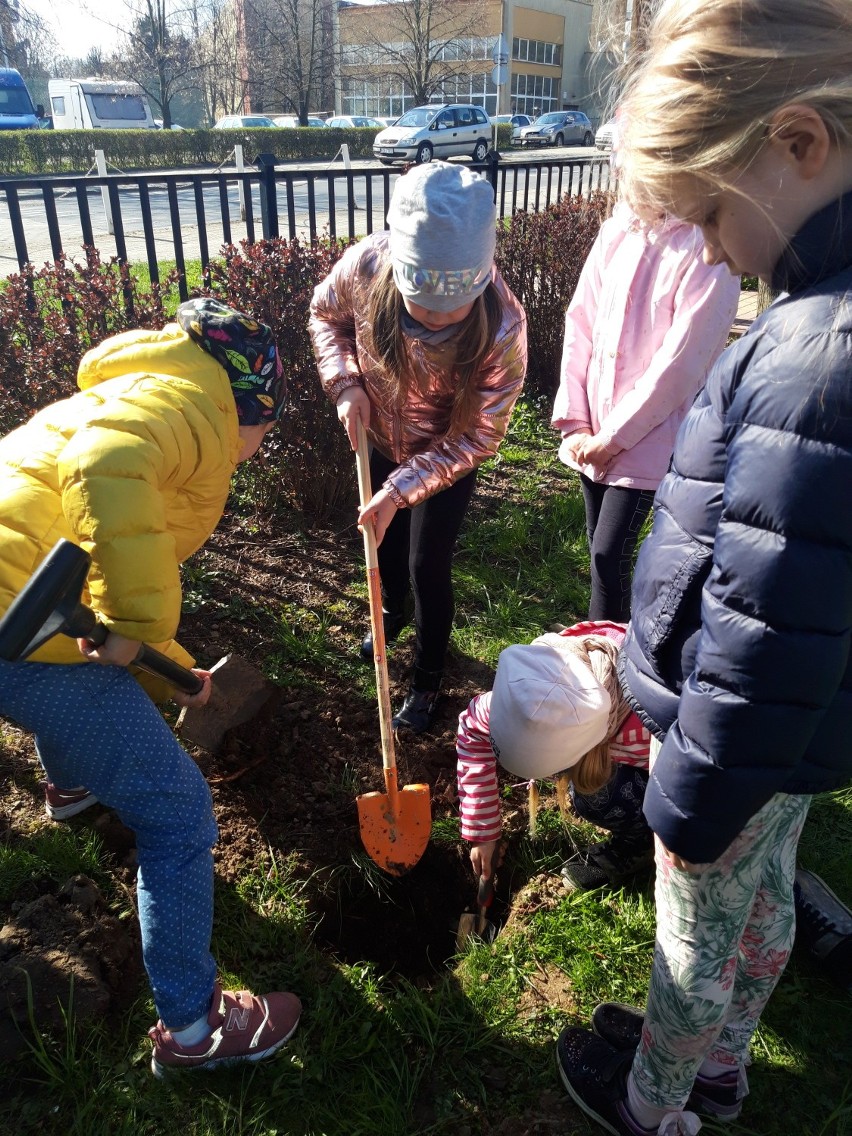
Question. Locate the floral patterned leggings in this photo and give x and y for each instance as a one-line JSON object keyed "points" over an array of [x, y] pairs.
{"points": [[723, 939]]}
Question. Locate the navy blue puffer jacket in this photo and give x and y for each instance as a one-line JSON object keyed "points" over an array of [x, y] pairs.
{"points": [[738, 652]]}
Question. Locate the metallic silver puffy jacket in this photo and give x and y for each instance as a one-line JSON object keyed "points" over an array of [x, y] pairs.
{"points": [[414, 435]]}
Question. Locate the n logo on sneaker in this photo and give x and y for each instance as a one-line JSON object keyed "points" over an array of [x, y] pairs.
{"points": [[237, 1019]]}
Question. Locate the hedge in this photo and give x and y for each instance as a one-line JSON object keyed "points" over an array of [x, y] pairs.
{"points": [[73, 151]]}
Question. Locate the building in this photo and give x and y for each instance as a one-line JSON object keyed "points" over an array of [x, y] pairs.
{"points": [[390, 60]]}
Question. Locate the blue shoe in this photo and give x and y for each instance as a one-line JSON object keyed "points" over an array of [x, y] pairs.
{"points": [[595, 1075]]}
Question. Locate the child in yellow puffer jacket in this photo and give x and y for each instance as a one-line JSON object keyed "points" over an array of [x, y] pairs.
{"points": [[136, 469]]}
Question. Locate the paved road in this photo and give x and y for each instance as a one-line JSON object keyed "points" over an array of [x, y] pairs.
{"points": [[525, 185]]}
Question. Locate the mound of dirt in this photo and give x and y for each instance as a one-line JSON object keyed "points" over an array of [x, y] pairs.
{"points": [[60, 955]]}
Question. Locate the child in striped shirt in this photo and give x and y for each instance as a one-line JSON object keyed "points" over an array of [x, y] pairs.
{"points": [[557, 706]]}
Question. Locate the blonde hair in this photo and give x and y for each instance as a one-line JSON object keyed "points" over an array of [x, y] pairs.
{"points": [[465, 351], [699, 102]]}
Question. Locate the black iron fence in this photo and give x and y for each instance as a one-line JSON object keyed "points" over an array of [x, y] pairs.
{"points": [[163, 218]]}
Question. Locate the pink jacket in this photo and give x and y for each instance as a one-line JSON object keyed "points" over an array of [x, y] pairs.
{"points": [[415, 435], [648, 320]]}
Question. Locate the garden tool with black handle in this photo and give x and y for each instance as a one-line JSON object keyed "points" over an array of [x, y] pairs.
{"points": [[50, 604], [477, 923]]}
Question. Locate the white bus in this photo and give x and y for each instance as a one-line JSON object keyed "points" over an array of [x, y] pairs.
{"points": [[91, 104]]}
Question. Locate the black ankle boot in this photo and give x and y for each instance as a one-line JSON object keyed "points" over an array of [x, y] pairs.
{"points": [[394, 622], [418, 710]]}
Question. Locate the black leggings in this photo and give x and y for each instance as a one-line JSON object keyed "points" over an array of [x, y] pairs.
{"points": [[417, 551], [614, 518]]}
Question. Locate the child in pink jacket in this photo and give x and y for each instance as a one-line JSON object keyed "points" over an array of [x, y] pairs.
{"points": [[646, 323]]}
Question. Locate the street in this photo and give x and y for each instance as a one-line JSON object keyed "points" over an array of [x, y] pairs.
{"points": [[524, 187]]}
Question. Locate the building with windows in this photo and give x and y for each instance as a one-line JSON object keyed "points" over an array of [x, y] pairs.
{"points": [[392, 58]]}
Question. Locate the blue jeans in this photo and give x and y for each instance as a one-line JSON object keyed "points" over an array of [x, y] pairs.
{"points": [[95, 726]]}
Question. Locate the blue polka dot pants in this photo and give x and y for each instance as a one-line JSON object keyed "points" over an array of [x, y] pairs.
{"points": [[95, 726]]}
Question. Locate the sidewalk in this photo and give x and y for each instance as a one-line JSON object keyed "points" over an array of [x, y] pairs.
{"points": [[747, 311]]}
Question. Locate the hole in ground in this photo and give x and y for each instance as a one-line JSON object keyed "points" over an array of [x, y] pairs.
{"points": [[404, 925]]}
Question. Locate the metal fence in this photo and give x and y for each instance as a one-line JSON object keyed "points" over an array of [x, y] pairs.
{"points": [[166, 218]]}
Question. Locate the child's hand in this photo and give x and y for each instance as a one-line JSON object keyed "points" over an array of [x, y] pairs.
{"points": [[379, 511], [115, 651], [193, 701], [684, 865], [591, 451], [482, 857], [353, 404], [571, 443]]}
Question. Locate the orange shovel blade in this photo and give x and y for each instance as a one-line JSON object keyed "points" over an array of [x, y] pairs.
{"points": [[395, 841]]}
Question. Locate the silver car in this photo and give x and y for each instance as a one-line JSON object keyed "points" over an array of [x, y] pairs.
{"points": [[557, 128], [438, 131]]}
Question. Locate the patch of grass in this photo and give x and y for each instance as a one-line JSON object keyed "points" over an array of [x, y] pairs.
{"points": [[464, 1052], [50, 854]]}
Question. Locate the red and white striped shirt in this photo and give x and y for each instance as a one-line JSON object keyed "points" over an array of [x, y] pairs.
{"points": [[479, 800]]}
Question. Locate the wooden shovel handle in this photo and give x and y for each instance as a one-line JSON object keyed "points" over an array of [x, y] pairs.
{"points": [[374, 588]]}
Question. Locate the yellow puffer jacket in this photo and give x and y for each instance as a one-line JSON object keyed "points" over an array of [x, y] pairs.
{"points": [[135, 469]]}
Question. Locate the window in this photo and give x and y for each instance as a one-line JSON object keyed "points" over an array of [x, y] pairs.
{"points": [[121, 108], [537, 51], [534, 94], [57, 104]]}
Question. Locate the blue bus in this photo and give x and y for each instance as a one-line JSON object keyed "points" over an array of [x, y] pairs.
{"points": [[16, 107]]}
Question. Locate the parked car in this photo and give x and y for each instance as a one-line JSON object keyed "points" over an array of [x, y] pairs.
{"points": [[606, 134], [386, 120], [291, 121], [158, 122], [558, 128], [243, 122], [438, 131], [516, 120], [354, 120]]}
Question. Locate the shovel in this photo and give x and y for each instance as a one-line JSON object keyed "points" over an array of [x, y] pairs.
{"points": [[478, 924], [395, 825], [50, 605]]}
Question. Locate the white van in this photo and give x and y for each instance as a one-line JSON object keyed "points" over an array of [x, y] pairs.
{"points": [[91, 104]]}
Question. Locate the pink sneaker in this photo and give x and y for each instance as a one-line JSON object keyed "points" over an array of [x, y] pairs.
{"points": [[60, 804], [244, 1027]]}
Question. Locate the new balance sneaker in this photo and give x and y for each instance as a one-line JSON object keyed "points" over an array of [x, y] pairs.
{"points": [[595, 1075], [722, 1097], [243, 1027], [60, 804], [610, 863], [824, 926]]}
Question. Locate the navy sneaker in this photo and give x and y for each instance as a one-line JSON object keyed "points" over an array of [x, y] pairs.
{"points": [[722, 1097], [824, 926], [608, 864], [595, 1075]]}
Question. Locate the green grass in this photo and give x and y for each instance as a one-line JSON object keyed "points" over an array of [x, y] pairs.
{"points": [[376, 1057]]}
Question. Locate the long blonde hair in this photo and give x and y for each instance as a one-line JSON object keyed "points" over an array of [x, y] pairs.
{"points": [[465, 351], [699, 102]]}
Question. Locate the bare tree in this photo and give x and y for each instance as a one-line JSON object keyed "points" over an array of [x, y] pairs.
{"points": [[291, 49], [217, 54], [26, 42], [155, 49], [424, 43]]}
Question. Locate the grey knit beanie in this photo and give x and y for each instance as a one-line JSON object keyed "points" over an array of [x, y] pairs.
{"points": [[443, 232]]}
